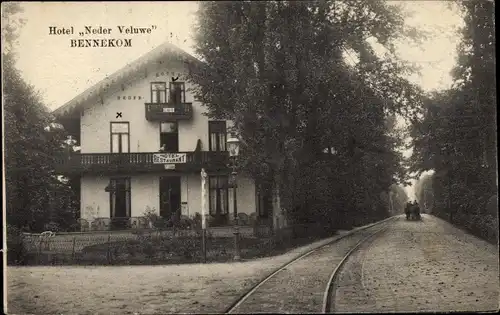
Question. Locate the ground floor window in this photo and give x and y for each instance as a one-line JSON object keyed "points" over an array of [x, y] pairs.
{"points": [[218, 195], [119, 197]]}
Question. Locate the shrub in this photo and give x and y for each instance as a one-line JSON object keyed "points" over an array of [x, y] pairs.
{"points": [[52, 226], [186, 223], [186, 246], [486, 226], [221, 220], [150, 215], [197, 224], [162, 223], [16, 251]]}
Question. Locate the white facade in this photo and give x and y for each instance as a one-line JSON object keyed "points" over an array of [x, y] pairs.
{"points": [[145, 193], [145, 137]]}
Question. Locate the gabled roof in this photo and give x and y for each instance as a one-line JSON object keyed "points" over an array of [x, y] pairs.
{"points": [[113, 82]]}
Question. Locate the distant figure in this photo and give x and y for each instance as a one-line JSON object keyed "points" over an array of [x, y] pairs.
{"points": [[417, 211], [408, 209], [414, 211]]}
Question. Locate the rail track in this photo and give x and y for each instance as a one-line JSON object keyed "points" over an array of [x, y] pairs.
{"points": [[329, 295], [314, 291]]}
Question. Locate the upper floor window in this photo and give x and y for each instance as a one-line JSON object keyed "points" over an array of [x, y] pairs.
{"points": [[120, 137], [177, 92], [168, 127], [158, 92], [169, 137], [217, 135]]}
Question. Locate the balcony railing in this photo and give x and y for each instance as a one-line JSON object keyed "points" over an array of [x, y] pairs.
{"points": [[141, 162], [169, 111]]}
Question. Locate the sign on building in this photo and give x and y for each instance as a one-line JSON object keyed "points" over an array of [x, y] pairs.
{"points": [[169, 158], [168, 109]]}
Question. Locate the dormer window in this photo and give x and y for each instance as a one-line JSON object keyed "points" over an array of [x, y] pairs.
{"points": [[158, 92], [177, 92]]}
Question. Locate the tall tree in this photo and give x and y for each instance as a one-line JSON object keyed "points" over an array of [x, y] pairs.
{"points": [[35, 195], [456, 136], [277, 69], [424, 192]]}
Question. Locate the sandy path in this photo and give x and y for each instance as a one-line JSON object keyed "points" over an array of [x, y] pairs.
{"points": [[421, 266], [193, 288], [300, 287]]}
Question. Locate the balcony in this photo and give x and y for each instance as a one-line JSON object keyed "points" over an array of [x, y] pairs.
{"points": [[168, 111], [115, 163]]}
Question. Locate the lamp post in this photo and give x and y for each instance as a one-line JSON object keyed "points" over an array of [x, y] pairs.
{"points": [[204, 213], [233, 145]]}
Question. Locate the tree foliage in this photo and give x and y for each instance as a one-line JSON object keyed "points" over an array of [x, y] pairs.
{"points": [[11, 22], [424, 193], [456, 135], [278, 70], [35, 196], [399, 199]]}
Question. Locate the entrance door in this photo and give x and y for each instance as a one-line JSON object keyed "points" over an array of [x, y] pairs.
{"points": [[170, 196], [120, 202]]}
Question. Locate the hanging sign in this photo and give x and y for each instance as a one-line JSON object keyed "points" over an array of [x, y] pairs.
{"points": [[168, 109], [169, 158]]}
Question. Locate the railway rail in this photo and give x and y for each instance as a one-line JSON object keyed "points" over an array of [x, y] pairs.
{"points": [[307, 283]]}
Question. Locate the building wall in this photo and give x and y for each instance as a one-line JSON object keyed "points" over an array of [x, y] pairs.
{"points": [[145, 193], [144, 135], [191, 194], [92, 195]]}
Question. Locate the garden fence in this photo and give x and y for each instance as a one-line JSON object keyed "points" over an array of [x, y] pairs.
{"points": [[159, 247]]}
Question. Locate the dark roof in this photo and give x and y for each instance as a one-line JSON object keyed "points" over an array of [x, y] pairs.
{"points": [[113, 82]]}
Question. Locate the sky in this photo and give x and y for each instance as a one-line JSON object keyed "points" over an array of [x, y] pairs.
{"points": [[60, 72], [42, 55]]}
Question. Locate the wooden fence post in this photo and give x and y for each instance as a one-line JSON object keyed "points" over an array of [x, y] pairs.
{"points": [[108, 253], [39, 255], [50, 257], [73, 251]]}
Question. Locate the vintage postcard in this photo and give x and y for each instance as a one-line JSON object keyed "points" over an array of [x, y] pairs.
{"points": [[330, 156]]}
